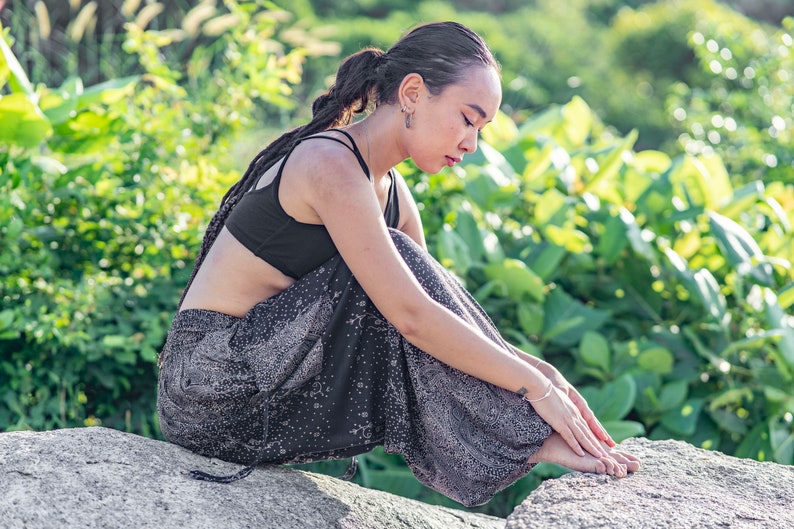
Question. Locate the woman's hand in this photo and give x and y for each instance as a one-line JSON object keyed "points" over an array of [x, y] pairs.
{"points": [[559, 381], [565, 417]]}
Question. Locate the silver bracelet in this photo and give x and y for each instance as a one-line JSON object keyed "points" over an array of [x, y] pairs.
{"points": [[548, 392]]}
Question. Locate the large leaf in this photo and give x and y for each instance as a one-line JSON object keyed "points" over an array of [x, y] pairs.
{"points": [[567, 319], [61, 104], [622, 430], [613, 240], [22, 121], [108, 92], [656, 360], [740, 249], [609, 167], [578, 121], [778, 319], [545, 259], [594, 350], [519, 280], [613, 400], [11, 70], [756, 444], [781, 437], [683, 420], [635, 236]]}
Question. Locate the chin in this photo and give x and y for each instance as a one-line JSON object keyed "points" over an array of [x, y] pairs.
{"points": [[431, 168]]}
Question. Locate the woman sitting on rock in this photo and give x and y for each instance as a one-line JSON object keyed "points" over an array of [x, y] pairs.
{"points": [[317, 326]]}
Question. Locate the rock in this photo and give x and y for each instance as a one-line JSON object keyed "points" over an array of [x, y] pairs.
{"points": [[680, 486], [103, 478]]}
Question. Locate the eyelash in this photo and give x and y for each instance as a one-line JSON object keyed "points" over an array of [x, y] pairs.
{"points": [[466, 120]]}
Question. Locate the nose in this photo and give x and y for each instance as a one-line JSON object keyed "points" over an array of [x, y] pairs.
{"points": [[469, 143]]}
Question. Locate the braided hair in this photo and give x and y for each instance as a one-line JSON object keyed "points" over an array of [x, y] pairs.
{"points": [[440, 52]]}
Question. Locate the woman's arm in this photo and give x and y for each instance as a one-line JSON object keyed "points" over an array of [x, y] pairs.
{"points": [[346, 203], [410, 221]]}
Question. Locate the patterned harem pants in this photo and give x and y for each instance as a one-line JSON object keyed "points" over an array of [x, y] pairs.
{"points": [[316, 372]]}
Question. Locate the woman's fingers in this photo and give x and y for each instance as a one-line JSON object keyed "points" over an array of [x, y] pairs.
{"points": [[588, 441], [570, 438], [566, 419], [595, 425]]}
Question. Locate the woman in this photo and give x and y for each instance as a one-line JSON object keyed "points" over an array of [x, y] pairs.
{"points": [[317, 326]]}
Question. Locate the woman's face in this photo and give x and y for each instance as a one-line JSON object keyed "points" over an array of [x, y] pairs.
{"points": [[445, 127]]}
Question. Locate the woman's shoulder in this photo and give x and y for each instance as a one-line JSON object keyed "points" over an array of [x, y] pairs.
{"points": [[326, 151]]}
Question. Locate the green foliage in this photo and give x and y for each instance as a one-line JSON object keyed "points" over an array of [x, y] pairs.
{"points": [[744, 113], [104, 192]]}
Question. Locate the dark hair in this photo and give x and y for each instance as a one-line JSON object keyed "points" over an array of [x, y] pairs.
{"points": [[440, 52]]}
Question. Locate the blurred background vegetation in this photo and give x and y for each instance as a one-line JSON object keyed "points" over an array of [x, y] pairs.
{"points": [[628, 216]]}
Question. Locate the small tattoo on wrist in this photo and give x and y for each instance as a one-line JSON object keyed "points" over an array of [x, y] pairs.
{"points": [[522, 391]]}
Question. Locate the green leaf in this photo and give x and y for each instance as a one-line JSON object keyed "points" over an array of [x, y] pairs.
{"points": [[778, 319], [566, 319], [594, 350], [520, 281], [466, 226], [781, 439], [573, 240], [114, 341], [785, 296], [530, 317], [108, 92], [710, 295], [547, 261], [451, 247], [756, 444], [61, 105], [612, 241], [501, 131], [657, 360], [613, 400], [6, 318], [622, 430], [731, 398], [740, 249], [23, 122], [578, 121], [683, 420], [10, 66], [614, 161], [743, 199], [635, 236], [672, 395], [538, 165]]}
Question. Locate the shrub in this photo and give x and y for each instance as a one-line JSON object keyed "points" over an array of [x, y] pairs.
{"points": [[104, 192]]}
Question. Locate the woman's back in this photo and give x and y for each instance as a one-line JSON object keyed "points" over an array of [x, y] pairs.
{"points": [[249, 263]]}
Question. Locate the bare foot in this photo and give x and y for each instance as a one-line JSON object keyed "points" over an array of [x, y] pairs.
{"points": [[556, 450]]}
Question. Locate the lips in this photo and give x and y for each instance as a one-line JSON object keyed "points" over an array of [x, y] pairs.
{"points": [[452, 161]]}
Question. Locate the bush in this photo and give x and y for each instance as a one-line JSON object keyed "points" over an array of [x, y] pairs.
{"points": [[744, 112], [105, 191]]}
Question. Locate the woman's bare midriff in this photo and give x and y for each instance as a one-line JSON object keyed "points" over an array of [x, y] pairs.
{"points": [[232, 279]]}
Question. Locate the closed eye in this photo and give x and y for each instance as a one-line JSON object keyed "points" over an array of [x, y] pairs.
{"points": [[467, 121]]}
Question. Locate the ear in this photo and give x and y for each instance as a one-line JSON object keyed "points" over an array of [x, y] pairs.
{"points": [[411, 86]]}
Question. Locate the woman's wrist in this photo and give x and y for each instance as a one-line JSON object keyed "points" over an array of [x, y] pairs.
{"points": [[548, 389]]}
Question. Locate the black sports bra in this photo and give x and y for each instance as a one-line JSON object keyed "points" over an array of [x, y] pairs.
{"points": [[295, 248]]}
